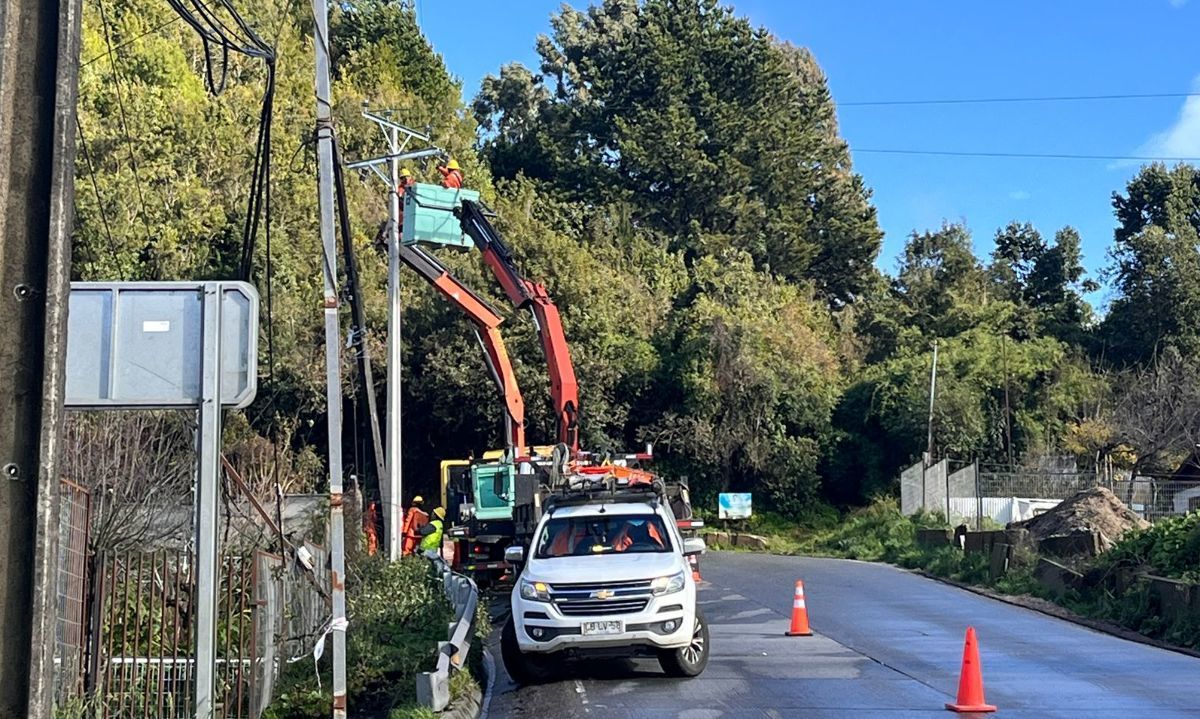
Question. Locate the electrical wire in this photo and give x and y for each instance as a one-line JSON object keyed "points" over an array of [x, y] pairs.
{"points": [[237, 36], [1025, 155], [137, 181], [1032, 98], [87, 158]]}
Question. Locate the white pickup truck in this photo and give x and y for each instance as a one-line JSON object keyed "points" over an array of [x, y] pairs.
{"points": [[605, 579]]}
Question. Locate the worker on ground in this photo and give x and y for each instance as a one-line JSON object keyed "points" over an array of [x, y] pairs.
{"points": [[452, 176], [431, 542], [414, 520]]}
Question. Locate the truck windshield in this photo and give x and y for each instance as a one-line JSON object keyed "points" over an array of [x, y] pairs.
{"points": [[608, 534]]}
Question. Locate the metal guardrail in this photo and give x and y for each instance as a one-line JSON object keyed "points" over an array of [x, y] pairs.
{"points": [[433, 688]]}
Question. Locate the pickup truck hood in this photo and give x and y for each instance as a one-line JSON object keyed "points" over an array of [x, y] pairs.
{"points": [[603, 568]]}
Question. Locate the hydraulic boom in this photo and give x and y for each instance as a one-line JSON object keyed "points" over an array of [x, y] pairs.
{"points": [[487, 324], [532, 296]]}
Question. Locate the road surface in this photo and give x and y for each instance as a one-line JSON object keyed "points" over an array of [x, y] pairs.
{"points": [[888, 644]]}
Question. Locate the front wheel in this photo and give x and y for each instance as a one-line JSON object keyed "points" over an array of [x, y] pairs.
{"points": [[522, 668], [688, 661]]}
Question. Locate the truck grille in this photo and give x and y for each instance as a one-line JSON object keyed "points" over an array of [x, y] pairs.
{"points": [[601, 598]]}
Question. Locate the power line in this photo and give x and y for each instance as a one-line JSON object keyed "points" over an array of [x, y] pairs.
{"points": [[87, 157], [1032, 98], [137, 180], [1026, 155], [132, 40]]}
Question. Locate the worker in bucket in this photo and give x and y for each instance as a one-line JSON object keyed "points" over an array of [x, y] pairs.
{"points": [[414, 520], [407, 180], [431, 542], [452, 176]]}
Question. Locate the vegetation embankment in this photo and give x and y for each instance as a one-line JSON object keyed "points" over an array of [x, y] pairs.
{"points": [[1113, 587], [398, 614]]}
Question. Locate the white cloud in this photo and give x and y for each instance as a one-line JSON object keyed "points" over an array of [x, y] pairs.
{"points": [[1182, 138], [1018, 195]]}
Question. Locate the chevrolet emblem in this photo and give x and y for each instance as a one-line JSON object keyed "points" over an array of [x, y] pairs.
{"points": [[603, 594]]}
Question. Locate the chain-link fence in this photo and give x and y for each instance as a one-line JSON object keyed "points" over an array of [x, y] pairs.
{"points": [[71, 590], [976, 494]]}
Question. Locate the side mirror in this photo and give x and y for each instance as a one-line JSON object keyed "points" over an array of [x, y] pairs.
{"points": [[514, 555], [694, 545]]}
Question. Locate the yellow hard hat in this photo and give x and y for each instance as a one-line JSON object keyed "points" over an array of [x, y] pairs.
{"points": [[439, 513], [452, 165], [418, 499], [405, 172]]}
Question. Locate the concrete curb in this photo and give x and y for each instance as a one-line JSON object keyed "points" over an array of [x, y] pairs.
{"points": [[1043, 606], [489, 666], [465, 707]]}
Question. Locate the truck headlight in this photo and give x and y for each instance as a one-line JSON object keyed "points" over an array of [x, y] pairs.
{"points": [[535, 591], [668, 585]]}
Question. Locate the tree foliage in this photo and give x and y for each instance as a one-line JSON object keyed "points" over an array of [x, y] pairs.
{"points": [[715, 132], [676, 178]]}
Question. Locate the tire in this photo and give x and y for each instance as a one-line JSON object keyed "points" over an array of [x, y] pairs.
{"points": [[522, 668], [691, 660]]}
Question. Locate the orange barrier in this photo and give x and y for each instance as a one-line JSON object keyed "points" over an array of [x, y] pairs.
{"points": [[800, 626], [970, 681]]}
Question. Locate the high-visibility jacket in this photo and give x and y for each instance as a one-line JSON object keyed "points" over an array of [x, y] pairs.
{"points": [[451, 178], [433, 536]]}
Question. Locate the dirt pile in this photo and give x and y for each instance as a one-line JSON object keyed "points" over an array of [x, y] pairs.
{"points": [[1092, 510]]}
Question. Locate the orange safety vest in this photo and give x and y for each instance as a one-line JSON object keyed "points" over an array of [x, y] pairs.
{"points": [[452, 179], [413, 521], [564, 542], [624, 541]]}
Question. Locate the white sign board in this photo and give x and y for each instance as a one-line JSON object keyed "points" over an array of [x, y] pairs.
{"points": [[140, 344], [733, 505]]}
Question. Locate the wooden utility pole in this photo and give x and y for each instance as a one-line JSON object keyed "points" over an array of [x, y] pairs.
{"points": [[39, 67]]}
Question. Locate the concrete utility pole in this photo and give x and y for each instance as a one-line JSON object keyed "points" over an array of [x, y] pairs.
{"points": [[932, 394], [333, 371], [391, 486], [39, 65]]}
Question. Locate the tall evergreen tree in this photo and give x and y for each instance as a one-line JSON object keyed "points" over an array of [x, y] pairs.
{"points": [[1155, 265], [718, 134]]}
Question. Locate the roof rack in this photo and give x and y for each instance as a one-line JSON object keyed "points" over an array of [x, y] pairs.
{"points": [[588, 490]]}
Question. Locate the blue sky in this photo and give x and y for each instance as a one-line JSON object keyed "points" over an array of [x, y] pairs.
{"points": [[882, 51]]}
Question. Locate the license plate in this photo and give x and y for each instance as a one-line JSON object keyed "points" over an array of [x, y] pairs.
{"points": [[595, 628]]}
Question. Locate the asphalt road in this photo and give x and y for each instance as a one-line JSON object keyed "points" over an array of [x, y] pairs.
{"points": [[888, 644]]}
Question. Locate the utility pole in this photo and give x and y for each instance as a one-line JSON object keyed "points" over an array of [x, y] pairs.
{"points": [[932, 394], [1007, 406], [39, 65], [390, 487], [333, 371]]}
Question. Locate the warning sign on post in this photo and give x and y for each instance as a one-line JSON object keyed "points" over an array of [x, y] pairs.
{"points": [[733, 505]]}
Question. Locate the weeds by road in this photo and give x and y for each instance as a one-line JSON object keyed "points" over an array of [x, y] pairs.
{"points": [[399, 614], [880, 533]]}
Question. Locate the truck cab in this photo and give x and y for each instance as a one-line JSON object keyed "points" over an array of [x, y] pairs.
{"points": [[605, 576]]}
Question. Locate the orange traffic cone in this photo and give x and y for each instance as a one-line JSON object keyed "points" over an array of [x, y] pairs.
{"points": [[970, 682], [799, 614]]}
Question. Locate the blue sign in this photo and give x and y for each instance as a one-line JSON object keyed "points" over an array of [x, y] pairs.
{"points": [[733, 505]]}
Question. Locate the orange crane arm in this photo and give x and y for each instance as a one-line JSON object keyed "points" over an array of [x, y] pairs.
{"points": [[487, 324], [526, 294]]}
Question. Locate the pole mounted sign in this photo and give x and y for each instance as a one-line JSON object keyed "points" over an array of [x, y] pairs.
{"points": [[142, 345], [171, 345]]}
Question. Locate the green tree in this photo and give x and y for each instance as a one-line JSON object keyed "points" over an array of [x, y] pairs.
{"points": [[715, 132], [1045, 281], [1155, 263]]}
